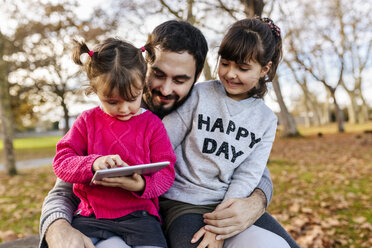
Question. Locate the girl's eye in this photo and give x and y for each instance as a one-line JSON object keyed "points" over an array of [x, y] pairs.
{"points": [[112, 102], [243, 69], [133, 99]]}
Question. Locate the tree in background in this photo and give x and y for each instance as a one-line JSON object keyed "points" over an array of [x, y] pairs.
{"points": [[335, 50], [6, 111], [41, 52]]}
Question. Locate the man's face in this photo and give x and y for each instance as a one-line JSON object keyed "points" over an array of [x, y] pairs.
{"points": [[169, 80]]}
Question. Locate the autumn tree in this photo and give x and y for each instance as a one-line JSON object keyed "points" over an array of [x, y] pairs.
{"points": [[334, 50], [42, 51]]}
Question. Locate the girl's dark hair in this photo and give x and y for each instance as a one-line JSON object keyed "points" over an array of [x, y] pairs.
{"points": [[257, 40], [114, 64]]}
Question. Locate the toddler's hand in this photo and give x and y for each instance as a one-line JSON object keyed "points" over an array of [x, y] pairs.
{"points": [[106, 162], [135, 183], [209, 239]]}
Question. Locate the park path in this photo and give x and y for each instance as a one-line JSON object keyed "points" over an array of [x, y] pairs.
{"points": [[32, 163]]}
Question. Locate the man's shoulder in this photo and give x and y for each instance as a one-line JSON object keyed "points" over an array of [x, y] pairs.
{"points": [[207, 88], [206, 84]]}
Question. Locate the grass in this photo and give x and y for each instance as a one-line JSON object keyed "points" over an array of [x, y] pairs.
{"points": [[33, 147], [331, 128], [322, 188]]}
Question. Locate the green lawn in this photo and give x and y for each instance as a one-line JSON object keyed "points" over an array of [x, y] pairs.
{"points": [[332, 128], [34, 142], [33, 147]]}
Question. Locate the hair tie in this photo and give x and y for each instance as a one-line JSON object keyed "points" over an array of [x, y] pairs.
{"points": [[90, 53], [143, 49], [274, 29]]}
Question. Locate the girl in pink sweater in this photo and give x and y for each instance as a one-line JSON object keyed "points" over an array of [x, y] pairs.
{"points": [[117, 133]]}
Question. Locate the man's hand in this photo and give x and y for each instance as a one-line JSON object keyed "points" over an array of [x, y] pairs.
{"points": [[209, 239], [235, 215], [61, 234]]}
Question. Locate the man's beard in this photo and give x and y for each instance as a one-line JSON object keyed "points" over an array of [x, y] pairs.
{"points": [[160, 110]]}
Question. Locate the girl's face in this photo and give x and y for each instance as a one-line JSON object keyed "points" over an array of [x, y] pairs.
{"points": [[116, 107], [239, 79]]}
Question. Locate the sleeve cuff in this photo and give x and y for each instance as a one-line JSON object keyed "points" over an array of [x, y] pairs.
{"points": [[267, 190], [44, 226]]}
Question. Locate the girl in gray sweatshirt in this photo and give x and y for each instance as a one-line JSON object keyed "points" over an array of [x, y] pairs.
{"points": [[223, 134]]}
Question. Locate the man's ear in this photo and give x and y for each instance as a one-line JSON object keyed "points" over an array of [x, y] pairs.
{"points": [[265, 69]]}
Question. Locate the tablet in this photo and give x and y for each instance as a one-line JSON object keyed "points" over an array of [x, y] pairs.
{"points": [[144, 169]]}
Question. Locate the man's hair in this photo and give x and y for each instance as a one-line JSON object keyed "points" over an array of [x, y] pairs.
{"points": [[178, 36]]}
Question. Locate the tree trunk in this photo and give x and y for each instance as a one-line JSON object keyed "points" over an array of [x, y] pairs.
{"points": [[66, 116], [363, 111], [285, 118], [307, 110], [338, 112], [207, 71], [6, 114], [352, 109], [253, 7], [190, 16]]}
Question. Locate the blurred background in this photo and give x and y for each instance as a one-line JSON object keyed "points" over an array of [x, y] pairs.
{"points": [[322, 157]]}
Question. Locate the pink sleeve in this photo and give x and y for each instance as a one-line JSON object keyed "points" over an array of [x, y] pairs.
{"points": [[160, 150], [71, 163]]}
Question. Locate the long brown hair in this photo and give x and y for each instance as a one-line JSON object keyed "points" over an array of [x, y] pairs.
{"points": [[113, 64]]}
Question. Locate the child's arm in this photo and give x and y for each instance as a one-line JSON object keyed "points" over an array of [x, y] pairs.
{"points": [[247, 176], [160, 150], [71, 163]]}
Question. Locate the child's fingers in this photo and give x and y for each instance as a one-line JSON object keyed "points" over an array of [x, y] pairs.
{"points": [[198, 235], [118, 161], [110, 162]]}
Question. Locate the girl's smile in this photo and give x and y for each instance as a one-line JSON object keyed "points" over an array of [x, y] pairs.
{"points": [[239, 79]]}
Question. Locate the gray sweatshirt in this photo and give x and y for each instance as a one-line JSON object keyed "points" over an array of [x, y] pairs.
{"points": [[222, 145]]}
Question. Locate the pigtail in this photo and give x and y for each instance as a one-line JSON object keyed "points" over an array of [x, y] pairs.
{"points": [[276, 44], [79, 49]]}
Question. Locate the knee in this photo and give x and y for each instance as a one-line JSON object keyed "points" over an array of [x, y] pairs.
{"points": [[256, 237]]}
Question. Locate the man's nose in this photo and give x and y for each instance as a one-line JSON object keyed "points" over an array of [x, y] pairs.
{"points": [[166, 88]]}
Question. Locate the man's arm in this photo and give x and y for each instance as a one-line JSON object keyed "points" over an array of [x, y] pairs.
{"points": [[60, 203], [237, 214], [266, 186]]}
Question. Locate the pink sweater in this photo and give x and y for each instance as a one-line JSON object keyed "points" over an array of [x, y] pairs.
{"points": [[142, 139]]}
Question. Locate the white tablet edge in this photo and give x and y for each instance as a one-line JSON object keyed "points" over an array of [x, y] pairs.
{"points": [[128, 170]]}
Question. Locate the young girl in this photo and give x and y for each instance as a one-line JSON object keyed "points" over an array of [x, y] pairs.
{"points": [[117, 133], [224, 132]]}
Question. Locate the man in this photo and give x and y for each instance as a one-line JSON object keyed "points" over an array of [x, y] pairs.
{"points": [[176, 53]]}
